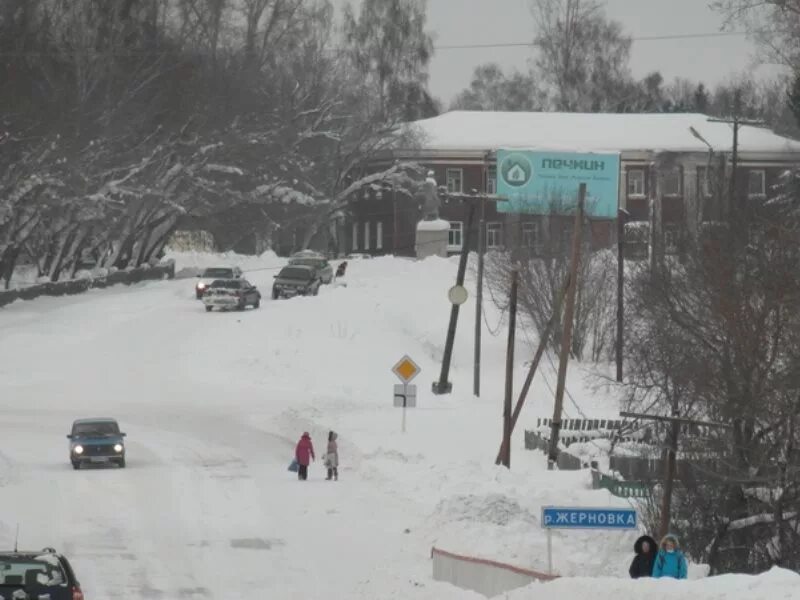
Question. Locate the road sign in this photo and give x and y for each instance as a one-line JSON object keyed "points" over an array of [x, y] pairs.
{"points": [[406, 369], [405, 396], [588, 518], [457, 295], [547, 182]]}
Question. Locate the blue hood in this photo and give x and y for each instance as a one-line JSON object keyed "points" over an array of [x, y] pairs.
{"points": [[97, 440]]}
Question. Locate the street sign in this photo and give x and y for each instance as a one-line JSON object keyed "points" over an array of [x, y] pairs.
{"points": [[544, 183], [406, 369], [405, 396], [457, 295], [588, 518]]}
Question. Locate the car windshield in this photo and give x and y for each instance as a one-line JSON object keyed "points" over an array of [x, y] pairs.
{"points": [[293, 273], [218, 273], [222, 283], [30, 572], [95, 428], [309, 262]]}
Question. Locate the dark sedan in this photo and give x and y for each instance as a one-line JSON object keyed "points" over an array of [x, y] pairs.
{"points": [[296, 280]]}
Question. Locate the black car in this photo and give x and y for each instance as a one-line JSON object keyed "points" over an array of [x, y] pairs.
{"points": [[33, 575], [96, 441], [296, 280], [236, 294]]}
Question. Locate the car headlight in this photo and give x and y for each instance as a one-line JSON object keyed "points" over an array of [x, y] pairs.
{"points": [[118, 448], [201, 285], [78, 449]]}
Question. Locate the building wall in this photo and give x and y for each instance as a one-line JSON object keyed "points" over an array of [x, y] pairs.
{"points": [[664, 197]]}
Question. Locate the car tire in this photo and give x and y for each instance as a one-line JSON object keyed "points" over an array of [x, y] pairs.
{"points": [[209, 308], [241, 306], [76, 464], [121, 463], [257, 303], [275, 294]]}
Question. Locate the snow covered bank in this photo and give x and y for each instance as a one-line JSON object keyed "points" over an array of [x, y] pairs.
{"points": [[777, 584], [189, 263]]}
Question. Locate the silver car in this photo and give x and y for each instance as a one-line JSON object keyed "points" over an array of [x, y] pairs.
{"points": [[317, 262]]}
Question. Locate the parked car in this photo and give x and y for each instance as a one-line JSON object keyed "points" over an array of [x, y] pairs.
{"points": [[296, 280], [228, 294], [96, 441], [210, 275], [319, 262], [45, 574]]}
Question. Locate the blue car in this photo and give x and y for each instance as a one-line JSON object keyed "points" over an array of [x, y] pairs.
{"points": [[96, 441]]}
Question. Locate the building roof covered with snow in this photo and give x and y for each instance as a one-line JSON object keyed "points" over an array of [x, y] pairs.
{"points": [[485, 131]]}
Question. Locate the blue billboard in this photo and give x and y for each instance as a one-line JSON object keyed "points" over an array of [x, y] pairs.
{"points": [[588, 518], [542, 183]]}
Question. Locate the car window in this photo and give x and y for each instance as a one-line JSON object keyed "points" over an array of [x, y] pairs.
{"points": [[246, 284], [291, 273], [226, 283], [31, 572], [98, 428], [218, 273]]}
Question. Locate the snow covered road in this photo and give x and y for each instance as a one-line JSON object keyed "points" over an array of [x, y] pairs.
{"points": [[206, 507]]}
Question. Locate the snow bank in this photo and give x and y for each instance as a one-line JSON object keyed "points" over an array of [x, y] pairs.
{"points": [[435, 225], [777, 584], [190, 263]]}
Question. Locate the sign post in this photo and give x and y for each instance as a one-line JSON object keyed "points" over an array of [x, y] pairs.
{"points": [[405, 370], [574, 517]]}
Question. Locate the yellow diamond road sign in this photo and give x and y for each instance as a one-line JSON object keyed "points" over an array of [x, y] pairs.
{"points": [[406, 369]]}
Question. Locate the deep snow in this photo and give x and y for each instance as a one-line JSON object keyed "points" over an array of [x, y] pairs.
{"points": [[213, 404]]}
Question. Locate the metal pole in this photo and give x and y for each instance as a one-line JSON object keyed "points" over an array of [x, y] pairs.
{"points": [[476, 385], [395, 228], [405, 404], [566, 338], [735, 151], [512, 327], [620, 288], [669, 478], [443, 386], [549, 551]]}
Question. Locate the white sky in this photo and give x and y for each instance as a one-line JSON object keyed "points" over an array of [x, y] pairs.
{"points": [[456, 22]]}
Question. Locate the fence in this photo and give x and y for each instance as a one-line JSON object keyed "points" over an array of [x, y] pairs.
{"points": [[485, 577], [565, 460], [622, 489], [78, 286]]}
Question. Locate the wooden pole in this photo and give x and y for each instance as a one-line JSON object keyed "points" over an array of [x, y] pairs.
{"points": [[566, 338], [545, 337], [512, 327], [669, 479], [476, 377], [620, 288]]}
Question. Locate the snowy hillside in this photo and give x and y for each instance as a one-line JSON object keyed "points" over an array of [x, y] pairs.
{"points": [[213, 404]]}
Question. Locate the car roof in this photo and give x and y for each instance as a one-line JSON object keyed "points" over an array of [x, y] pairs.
{"points": [[304, 267], [94, 420], [28, 554], [223, 267]]}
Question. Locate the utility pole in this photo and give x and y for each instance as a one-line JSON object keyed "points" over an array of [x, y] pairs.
{"points": [[443, 386], [512, 328], [622, 217], [566, 338], [476, 383], [670, 463]]}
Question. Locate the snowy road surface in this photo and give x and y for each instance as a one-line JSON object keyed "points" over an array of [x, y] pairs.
{"points": [[206, 507]]}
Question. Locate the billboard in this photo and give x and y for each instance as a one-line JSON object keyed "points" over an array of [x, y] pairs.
{"points": [[536, 182]]}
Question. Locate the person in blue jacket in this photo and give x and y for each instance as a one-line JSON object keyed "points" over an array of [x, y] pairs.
{"points": [[670, 561]]}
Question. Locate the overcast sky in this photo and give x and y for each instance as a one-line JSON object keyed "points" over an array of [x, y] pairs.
{"points": [[456, 22]]}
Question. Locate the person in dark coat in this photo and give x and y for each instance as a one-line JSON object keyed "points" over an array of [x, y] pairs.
{"points": [[304, 453], [642, 564]]}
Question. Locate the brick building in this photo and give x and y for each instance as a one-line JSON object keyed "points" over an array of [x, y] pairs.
{"points": [[674, 174]]}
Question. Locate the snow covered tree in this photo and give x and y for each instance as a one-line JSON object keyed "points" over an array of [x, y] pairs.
{"points": [[793, 98]]}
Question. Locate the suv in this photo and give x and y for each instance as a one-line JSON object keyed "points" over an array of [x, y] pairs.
{"points": [[96, 441], [210, 275], [45, 574], [296, 280]]}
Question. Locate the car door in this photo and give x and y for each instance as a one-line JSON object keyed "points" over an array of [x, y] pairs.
{"points": [[250, 293]]}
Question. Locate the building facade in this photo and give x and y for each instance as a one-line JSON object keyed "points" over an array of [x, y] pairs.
{"points": [[671, 181]]}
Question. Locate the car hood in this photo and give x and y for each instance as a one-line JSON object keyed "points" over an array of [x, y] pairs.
{"points": [[89, 440]]}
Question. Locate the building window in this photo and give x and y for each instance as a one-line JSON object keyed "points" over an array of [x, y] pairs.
{"points": [[494, 235], [366, 235], [455, 181], [530, 235], [491, 181], [636, 183], [704, 188], [455, 235], [757, 184], [379, 235], [671, 240], [671, 182], [355, 236]]}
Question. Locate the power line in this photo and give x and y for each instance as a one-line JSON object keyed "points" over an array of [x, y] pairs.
{"points": [[648, 38]]}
